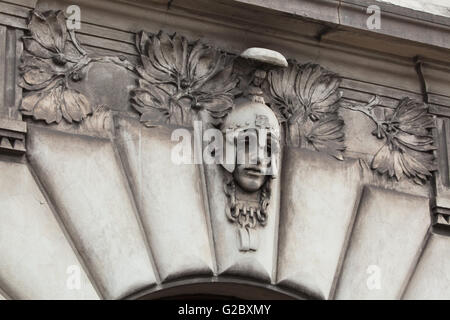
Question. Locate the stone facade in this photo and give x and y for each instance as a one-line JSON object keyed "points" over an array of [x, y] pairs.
{"points": [[351, 202]]}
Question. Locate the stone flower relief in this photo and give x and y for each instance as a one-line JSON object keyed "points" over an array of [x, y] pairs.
{"points": [[52, 59], [307, 98], [408, 148], [179, 79]]}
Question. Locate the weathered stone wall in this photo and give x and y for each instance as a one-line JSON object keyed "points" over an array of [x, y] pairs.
{"points": [[87, 182]]}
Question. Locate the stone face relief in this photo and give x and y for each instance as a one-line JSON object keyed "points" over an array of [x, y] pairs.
{"points": [[181, 81], [249, 175]]}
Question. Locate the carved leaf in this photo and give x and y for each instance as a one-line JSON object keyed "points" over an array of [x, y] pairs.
{"points": [[36, 49], [44, 105], [194, 72], [413, 118], [398, 162], [317, 90], [153, 103], [282, 90], [308, 98], [49, 29], [409, 143], [327, 135], [50, 57], [75, 106], [36, 73], [53, 104]]}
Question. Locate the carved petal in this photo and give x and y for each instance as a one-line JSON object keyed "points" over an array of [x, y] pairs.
{"points": [[49, 29], [413, 117], [153, 102], [223, 81], [142, 43], [152, 74], [36, 49], [396, 162], [205, 65], [415, 168], [36, 73], [418, 143], [75, 106], [174, 51], [282, 83], [194, 69], [29, 102], [163, 57], [163, 60], [317, 89], [326, 135], [44, 105], [382, 160]]}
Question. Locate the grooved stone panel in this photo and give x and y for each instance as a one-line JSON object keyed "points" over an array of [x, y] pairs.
{"points": [[431, 279], [389, 231], [35, 256], [317, 205], [83, 178], [170, 200]]}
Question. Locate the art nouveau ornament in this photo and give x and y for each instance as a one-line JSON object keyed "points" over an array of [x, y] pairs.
{"points": [[180, 81], [252, 135], [252, 145]]}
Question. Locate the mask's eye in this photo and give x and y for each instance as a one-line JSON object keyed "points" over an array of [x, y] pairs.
{"points": [[272, 145], [247, 142], [269, 148]]}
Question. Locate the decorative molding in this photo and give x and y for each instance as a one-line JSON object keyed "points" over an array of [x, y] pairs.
{"points": [[440, 208], [440, 202], [179, 79], [12, 136], [409, 143]]}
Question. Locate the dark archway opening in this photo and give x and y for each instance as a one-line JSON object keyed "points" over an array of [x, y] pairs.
{"points": [[208, 290]]}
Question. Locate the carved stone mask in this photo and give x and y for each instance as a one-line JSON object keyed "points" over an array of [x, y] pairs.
{"points": [[252, 136]]}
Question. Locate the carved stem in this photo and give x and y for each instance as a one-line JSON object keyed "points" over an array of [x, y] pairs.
{"points": [[119, 61], [367, 109]]}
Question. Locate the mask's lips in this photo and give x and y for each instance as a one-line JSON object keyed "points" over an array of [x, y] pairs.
{"points": [[254, 171]]}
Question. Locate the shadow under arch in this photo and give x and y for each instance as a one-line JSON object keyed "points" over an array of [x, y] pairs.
{"points": [[221, 288]]}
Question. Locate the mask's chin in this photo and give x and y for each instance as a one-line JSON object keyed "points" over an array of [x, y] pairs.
{"points": [[250, 179]]}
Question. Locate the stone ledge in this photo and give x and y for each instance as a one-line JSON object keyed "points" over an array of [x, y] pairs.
{"points": [[12, 136], [400, 22]]}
